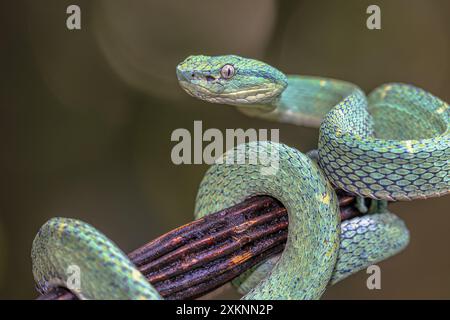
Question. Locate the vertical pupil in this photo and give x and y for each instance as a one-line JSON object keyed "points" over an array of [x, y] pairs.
{"points": [[227, 71]]}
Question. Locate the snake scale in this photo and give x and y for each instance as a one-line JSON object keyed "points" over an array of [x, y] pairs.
{"points": [[392, 145]]}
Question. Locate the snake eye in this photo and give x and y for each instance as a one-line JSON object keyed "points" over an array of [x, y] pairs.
{"points": [[227, 71]]}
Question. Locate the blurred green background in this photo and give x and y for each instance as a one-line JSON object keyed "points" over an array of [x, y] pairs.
{"points": [[86, 116]]}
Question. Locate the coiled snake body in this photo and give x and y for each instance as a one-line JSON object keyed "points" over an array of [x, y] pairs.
{"points": [[392, 145]]}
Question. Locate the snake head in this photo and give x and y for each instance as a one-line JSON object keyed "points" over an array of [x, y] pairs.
{"points": [[230, 80]]}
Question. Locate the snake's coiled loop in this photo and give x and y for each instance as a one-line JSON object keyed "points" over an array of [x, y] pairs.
{"points": [[66, 248], [408, 160], [307, 262]]}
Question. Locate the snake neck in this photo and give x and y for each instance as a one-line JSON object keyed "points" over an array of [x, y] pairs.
{"points": [[305, 101]]}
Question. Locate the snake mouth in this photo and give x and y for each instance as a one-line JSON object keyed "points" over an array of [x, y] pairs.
{"points": [[202, 92], [248, 96]]}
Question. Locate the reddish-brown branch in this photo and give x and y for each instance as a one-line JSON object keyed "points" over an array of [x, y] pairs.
{"points": [[200, 256]]}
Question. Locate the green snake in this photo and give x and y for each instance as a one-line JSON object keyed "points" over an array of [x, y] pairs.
{"points": [[392, 145]]}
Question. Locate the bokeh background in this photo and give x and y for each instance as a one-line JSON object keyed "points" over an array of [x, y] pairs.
{"points": [[86, 116]]}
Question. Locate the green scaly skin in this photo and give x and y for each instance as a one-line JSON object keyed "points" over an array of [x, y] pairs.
{"points": [[409, 159], [105, 271], [392, 146]]}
